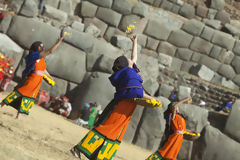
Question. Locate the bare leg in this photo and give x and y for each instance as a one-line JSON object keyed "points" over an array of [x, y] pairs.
{"points": [[2, 104], [18, 113], [75, 152]]}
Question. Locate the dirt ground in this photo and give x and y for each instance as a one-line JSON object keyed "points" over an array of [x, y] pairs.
{"points": [[46, 136]]}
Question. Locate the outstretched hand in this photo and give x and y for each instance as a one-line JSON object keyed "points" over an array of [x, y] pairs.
{"points": [[60, 39], [133, 37]]}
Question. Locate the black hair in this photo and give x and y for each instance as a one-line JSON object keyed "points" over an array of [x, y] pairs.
{"points": [[120, 63], [34, 47]]}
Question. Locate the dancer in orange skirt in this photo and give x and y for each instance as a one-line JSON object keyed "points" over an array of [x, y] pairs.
{"points": [[102, 142], [24, 96], [175, 127]]}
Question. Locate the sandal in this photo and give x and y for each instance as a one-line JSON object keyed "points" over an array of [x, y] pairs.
{"points": [[75, 152]]}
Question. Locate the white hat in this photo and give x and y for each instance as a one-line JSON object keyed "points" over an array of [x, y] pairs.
{"points": [[202, 103]]}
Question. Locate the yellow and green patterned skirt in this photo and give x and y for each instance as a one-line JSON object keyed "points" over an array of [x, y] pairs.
{"points": [[22, 103]]}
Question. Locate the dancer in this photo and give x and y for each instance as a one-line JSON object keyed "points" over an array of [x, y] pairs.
{"points": [[175, 127], [102, 142], [24, 96]]}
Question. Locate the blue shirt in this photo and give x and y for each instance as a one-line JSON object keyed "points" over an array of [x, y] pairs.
{"points": [[228, 105], [30, 63], [123, 80]]}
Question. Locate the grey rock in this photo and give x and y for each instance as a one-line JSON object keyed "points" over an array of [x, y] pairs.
{"points": [[193, 27], [187, 66], [223, 16], [16, 5], [98, 23], [226, 56], [109, 16], [53, 3], [127, 20], [157, 3], [166, 5], [165, 90], [176, 38], [184, 53], [90, 88], [224, 40], [185, 151], [152, 43], [205, 147], [236, 48], [157, 30], [151, 86], [66, 6], [217, 79], [233, 30], [164, 59], [75, 59], [184, 92], [103, 63], [175, 8], [167, 48], [80, 40], [215, 52], [93, 30], [187, 11], [148, 1], [124, 6], [91, 60], [207, 33], [142, 40], [211, 13], [112, 31], [236, 79], [122, 42], [196, 57], [149, 52], [236, 64], [229, 84], [11, 49], [216, 24], [211, 63], [56, 14], [78, 26], [198, 43], [29, 8], [5, 22], [217, 4], [103, 3], [140, 9], [60, 87], [203, 72], [227, 71], [32, 31], [232, 127], [201, 11], [88, 9], [176, 64]]}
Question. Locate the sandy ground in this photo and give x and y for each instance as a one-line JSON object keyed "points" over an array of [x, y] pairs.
{"points": [[46, 136]]}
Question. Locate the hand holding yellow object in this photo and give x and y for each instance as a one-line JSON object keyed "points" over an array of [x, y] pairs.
{"points": [[67, 34], [130, 28], [49, 81], [148, 102], [192, 134]]}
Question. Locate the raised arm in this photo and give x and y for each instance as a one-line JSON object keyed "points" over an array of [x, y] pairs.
{"points": [[178, 104], [134, 49], [51, 50], [47, 74]]}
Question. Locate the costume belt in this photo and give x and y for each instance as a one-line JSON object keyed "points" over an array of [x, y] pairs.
{"points": [[39, 72], [179, 132]]}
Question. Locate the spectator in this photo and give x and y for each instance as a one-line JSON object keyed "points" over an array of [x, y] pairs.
{"points": [[66, 107], [202, 104], [84, 117], [93, 115], [43, 99], [227, 106], [7, 78]]}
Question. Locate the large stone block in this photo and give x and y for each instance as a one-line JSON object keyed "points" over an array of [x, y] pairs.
{"points": [[98, 23], [88, 9], [124, 6], [165, 90], [187, 66], [227, 71], [184, 92], [211, 13], [92, 89], [32, 31], [167, 48], [53, 3], [66, 66], [196, 57], [223, 16], [176, 64], [122, 42], [103, 3], [217, 4], [185, 151], [152, 43], [112, 31], [164, 59], [187, 11], [140, 9], [66, 6], [184, 53], [234, 31], [201, 11], [216, 24], [56, 14], [142, 40], [151, 86], [109, 16], [193, 27], [229, 84], [215, 52], [10, 49], [236, 48], [176, 38], [211, 63], [157, 3], [224, 40], [201, 45], [78, 26], [29, 8], [16, 5], [80, 40], [93, 30], [175, 8], [127, 20], [166, 5], [206, 146], [5, 22], [157, 29], [226, 56], [207, 33], [236, 64], [203, 72], [236, 79], [148, 1]]}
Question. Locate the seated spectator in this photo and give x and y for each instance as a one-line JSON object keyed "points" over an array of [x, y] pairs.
{"points": [[227, 106], [84, 117], [66, 107], [43, 99], [7, 78]]}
